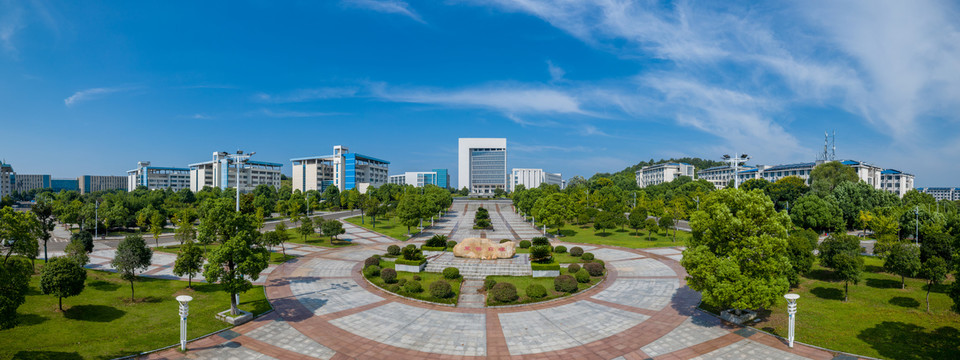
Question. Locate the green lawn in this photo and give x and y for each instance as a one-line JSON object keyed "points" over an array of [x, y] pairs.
{"points": [[426, 278], [319, 240], [618, 237], [879, 320], [522, 282], [387, 226], [275, 257], [102, 323]]}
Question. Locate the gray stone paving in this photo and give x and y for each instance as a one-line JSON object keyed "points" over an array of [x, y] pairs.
{"points": [[420, 329], [227, 351], [697, 329], [282, 335], [641, 267], [747, 349], [353, 254], [663, 251], [328, 268], [613, 254], [564, 326], [651, 294], [326, 296], [470, 297], [675, 257]]}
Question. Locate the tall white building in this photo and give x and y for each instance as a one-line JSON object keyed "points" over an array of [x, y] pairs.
{"points": [[221, 172], [942, 193], [661, 173], [158, 177], [531, 178], [482, 165], [896, 181], [7, 179], [421, 178], [342, 169]]}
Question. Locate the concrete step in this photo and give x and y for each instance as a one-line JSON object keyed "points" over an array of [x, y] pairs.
{"points": [[470, 297]]}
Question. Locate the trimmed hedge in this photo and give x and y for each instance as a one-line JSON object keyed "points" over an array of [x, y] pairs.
{"points": [[560, 249], [451, 273], [536, 291], [393, 250], [403, 261], [371, 271], [525, 244], [504, 292], [565, 283], [412, 287], [489, 283], [553, 265], [587, 256], [505, 241], [540, 241], [388, 275], [573, 268], [431, 248], [576, 251], [595, 269], [441, 289], [582, 276], [371, 261], [392, 287]]}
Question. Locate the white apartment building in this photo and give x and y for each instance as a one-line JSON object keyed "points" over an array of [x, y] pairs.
{"points": [[482, 165], [221, 172], [719, 176], [342, 169], [942, 193], [896, 181], [158, 177], [661, 173], [7, 180], [420, 178], [531, 178]]}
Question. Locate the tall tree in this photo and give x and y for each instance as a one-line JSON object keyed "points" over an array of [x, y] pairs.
{"points": [[828, 175], [14, 283], [132, 256], [157, 222], [841, 253], [185, 231], [786, 191], [408, 210], [638, 218], [21, 231], [934, 270], [902, 259], [62, 277], [189, 261], [554, 210], [814, 212], [605, 220], [239, 257], [305, 229], [332, 228], [43, 210]]}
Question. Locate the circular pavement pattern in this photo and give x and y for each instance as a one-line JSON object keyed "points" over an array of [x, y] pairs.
{"points": [[325, 309]]}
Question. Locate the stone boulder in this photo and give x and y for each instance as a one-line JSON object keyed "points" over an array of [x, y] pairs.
{"points": [[480, 248]]}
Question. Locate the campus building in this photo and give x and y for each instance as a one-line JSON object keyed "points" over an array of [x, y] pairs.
{"points": [[661, 173], [221, 172], [531, 178], [482, 165], [719, 176], [896, 181], [65, 184], [438, 177], [942, 193], [27, 182], [342, 169], [6, 179], [158, 177], [94, 183]]}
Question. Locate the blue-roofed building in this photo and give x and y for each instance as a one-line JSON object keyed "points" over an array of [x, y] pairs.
{"points": [[342, 169], [221, 172], [896, 181], [942, 193], [720, 176], [661, 173], [158, 177]]}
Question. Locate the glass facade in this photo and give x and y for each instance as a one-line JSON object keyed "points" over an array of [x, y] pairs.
{"points": [[488, 167]]}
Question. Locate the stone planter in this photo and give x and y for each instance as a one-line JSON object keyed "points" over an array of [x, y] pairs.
{"points": [[410, 268], [731, 316], [546, 273], [235, 320]]}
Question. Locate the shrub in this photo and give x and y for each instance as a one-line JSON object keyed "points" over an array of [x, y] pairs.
{"points": [[428, 248], [489, 283], [560, 249], [388, 275], [401, 282], [504, 292], [371, 271], [451, 273], [441, 289], [451, 244], [576, 251], [587, 256], [573, 268], [392, 287], [582, 276], [545, 266], [482, 223], [505, 241], [540, 253], [412, 253], [412, 287], [416, 278], [393, 250], [524, 244], [371, 261], [540, 241], [565, 283], [437, 241], [536, 291], [594, 269]]}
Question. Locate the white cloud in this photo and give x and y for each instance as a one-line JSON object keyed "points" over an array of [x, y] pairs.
{"points": [[295, 114], [387, 6], [304, 95], [556, 72], [88, 94], [511, 99], [11, 22]]}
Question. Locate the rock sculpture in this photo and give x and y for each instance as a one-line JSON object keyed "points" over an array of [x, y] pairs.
{"points": [[484, 249]]}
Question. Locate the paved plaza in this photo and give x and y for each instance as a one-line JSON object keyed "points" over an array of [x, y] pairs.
{"points": [[325, 309]]}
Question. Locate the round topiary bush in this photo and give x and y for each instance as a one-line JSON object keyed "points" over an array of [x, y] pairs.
{"points": [[451, 244], [393, 250], [441, 289], [388, 275], [573, 268], [536, 291], [594, 269], [576, 251], [371, 271], [412, 287], [401, 282], [565, 283], [505, 241], [540, 241], [504, 292], [489, 283], [416, 278], [451, 273], [560, 249], [392, 287], [371, 261], [582, 276], [587, 256], [524, 244]]}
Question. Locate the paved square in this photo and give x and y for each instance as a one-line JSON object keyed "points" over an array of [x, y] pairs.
{"points": [[420, 329], [613, 254], [326, 296], [324, 268], [642, 267], [564, 326], [663, 251], [698, 329], [282, 335], [746, 349], [651, 294]]}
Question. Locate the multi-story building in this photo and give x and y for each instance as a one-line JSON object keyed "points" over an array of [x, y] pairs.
{"points": [[94, 183], [896, 181], [158, 177], [661, 173], [421, 178], [777, 172], [531, 178], [942, 193], [483, 165], [65, 184], [719, 176], [343, 169], [27, 182], [221, 172], [867, 173], [7, 180]]}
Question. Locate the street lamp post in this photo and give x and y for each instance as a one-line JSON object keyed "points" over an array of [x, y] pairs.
{"points": [[184, 301], [916, 235], [96, 221], [735, 163], [792, 312], [239, 158]]}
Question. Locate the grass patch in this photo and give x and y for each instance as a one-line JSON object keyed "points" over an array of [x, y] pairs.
{"points": [[102, 322], [386, 226], [617, 237], [319, 240], [425, 279], [522, 282], [275, 257], [879, 320]]}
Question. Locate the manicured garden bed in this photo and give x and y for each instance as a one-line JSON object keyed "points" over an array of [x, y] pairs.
{"points": [[522, 282], [426, 278]]}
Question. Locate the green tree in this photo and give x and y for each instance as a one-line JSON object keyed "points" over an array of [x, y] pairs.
{"points": [[43, 210], [665, 222], [189, 262], [841, 253], [737, 256], [239, 257], [306, 229], [825, 177], [84, 237], [132, 256], [77, 251], [20, 230], [331, 197], [332, 228], [814, 212], [62, 277], [800, 252], [554, 210], [650, 224], [14, 284], [157, 222], [902, 259], [185, 231], [408, 210], [638, 218], [281, 230], [934, 270], [259, 219], [605, 220], [786, 191]]}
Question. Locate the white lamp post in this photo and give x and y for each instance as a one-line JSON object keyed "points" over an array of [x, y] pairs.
{"points": [[792, 312], [184, 301], [735, 164], [239, 158]]}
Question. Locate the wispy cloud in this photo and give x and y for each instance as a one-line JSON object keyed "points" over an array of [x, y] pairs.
{"points": [[511, 99], [386, 6], [304, 95], [11, 21], [521, 147], [89, 94], [556, 72], [295, 114]]}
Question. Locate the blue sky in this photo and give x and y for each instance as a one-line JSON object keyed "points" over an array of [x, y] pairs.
{"points": [[576, 87]]}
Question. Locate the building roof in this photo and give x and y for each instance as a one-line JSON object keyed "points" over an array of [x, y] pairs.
{"points": [[850, 162], [313, 157], [938, 189], [253, 162], [370, 158], [894, 172], [751, 170], [160, 168], [791, 166], [727, 167]]}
